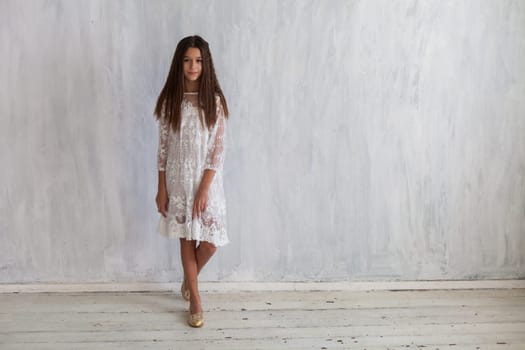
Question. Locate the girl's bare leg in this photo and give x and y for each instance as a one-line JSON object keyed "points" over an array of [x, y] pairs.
{"points": [[193, 260], [189, 264], [204, 252]]}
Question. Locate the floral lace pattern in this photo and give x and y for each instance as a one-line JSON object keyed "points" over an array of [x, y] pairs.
{"points": [[184, 156]]}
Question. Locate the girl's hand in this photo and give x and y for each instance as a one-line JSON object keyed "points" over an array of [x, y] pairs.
{"points": [[200, 202], [162, 202]]}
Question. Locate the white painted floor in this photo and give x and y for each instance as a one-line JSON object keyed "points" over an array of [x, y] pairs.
{"points": [[434, 319]]}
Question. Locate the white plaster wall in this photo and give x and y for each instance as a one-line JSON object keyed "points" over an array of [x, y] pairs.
{"points": [[368, 140]]}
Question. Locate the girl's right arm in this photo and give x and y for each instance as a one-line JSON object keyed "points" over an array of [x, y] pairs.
{"points": [[162, 194], [162, 158]]}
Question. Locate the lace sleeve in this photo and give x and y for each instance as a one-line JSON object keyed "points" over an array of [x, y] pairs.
{"points": [[162, 151], [216, 143]]}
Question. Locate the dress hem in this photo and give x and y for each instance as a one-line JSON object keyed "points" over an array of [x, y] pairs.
{"points": [[177, 235]]}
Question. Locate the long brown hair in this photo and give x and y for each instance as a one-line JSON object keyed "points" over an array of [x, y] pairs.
{"points": [[170, 98]]}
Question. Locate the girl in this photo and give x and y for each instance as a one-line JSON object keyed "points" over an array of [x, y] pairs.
{"points": [[192, 114]]}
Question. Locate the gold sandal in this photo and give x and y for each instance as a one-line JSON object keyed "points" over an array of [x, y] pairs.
{"points": [[196, 320], [185, 292]]}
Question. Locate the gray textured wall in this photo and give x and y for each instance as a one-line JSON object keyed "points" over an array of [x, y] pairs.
{"points": [[367, 140]]}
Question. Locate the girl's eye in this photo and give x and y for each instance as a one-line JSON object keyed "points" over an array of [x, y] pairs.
{"points": [[188, 60]]}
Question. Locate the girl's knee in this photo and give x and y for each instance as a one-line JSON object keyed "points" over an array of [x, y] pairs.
{"points": [[187, 244], [208, 248]]}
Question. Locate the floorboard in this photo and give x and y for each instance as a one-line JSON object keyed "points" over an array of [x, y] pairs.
{"points": [[425, 319]]}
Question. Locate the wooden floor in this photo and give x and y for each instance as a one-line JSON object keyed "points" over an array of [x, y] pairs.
{"points": [[437, 319]]}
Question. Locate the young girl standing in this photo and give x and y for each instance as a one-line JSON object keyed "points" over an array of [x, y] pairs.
{"points": [[192, 114]]}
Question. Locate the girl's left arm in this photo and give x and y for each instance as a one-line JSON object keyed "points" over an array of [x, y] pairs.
{"points": [[216, 149], [214, 161]]}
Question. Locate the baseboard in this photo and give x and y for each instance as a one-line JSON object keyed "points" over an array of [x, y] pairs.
{"points": [[218, 287]]}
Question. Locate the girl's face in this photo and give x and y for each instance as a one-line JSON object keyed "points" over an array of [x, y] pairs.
{"points": [[192, 64]]}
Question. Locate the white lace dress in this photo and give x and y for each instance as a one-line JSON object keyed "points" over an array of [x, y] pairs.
{"points": [[184, 156]]}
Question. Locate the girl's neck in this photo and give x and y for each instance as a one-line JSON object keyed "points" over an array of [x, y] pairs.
{"points": [[191, 86]]}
